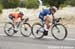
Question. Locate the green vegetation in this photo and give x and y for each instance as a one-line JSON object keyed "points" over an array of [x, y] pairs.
{"points": [[70, 2], [1, 6], [19, 3], [56, 3], [10, 3], [33, 3]]}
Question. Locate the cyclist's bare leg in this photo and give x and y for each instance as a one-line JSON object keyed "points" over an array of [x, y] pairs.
{"points": [[14, 22], [47, 23]]}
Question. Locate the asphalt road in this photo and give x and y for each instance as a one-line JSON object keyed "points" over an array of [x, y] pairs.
{"points": [[20, 42]]}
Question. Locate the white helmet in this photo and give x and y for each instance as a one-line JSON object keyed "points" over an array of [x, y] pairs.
{"points": [[54, 8]]}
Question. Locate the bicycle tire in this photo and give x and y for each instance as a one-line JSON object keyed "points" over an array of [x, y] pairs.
{"points": [[34, 32], [7, 33], [23, 33], [65, 29]]}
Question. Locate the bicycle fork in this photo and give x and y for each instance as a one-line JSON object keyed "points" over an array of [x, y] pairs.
{"points": [[57, 29]]}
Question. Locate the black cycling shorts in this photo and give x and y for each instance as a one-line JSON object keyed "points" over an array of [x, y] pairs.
{"points": [[11, 17]]}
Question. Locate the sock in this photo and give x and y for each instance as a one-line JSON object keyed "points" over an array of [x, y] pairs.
{"points": [[45, 27], [15, 27]]}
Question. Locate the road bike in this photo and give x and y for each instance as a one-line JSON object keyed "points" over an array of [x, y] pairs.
{"points": [[23, 27], [58, 30]]}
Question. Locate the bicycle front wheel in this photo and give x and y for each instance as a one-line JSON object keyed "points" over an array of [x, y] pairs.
{"points": [[59, 31], [25, 29]]}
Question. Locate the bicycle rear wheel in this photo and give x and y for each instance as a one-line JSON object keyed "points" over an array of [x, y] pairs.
{"points": [[59, 32], [25, 29], [37, 30], [9, 29]]}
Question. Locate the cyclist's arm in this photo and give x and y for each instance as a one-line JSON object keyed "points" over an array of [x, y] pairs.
{"points": [[53, 16], [52, 12], [21, 17]]}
